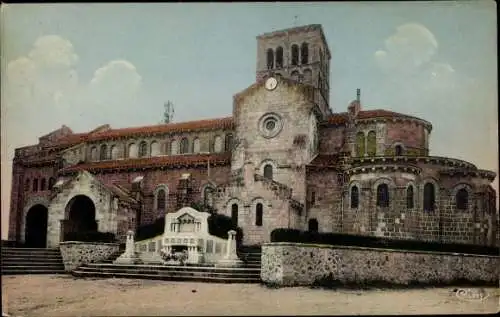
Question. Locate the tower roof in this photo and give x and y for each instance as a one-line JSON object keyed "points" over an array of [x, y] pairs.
{"points": [[297, 29]]}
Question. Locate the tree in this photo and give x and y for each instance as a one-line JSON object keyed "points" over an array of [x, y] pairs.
{"points": [[168, 114]]}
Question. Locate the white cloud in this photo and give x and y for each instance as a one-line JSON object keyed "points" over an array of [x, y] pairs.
{"points": [[410, 47], [43, 91], [53, 51], [115, 79], [412, 81]]}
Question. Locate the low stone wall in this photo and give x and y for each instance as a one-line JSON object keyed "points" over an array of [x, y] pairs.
{"points": [[75, 253], [290, 264]]}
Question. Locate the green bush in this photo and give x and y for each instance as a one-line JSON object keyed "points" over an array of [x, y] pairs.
{"points": [[90, 236], [150, 230], [219, 225], [297, 236], [200, 206]]}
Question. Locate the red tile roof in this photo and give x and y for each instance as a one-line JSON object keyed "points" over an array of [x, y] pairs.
{"points": [[210, 124], [218, 123], [72, 139], [159, 161], [340, 118]]}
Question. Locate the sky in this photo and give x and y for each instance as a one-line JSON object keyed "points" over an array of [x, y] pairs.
{"points": [[83, 65]]}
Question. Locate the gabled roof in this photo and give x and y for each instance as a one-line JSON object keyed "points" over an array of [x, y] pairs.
{"points": [[153, 162], [259, 83]]}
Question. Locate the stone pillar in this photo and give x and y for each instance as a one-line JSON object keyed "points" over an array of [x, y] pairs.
{"points": [[54, 231], [248, 173], [231, 257], [129, 256]]}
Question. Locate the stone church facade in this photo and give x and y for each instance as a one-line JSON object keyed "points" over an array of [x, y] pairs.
{"points": [[283, 159]]}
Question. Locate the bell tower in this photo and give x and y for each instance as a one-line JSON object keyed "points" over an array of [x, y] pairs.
{"points": [[299, 53]]}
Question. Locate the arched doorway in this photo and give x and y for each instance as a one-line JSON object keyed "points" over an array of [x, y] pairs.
{"points": [[313, 225], [80, 215], [36, 227]]}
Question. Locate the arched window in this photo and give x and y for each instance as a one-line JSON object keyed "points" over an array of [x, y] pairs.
{"points": [[268, 171], [234, 214], [409, 197], [103, 152], [143, 149], [161, 199], [429, 197], [304, 53], [132, 150], [270, 59], [184, 146], [218, 144], [371, 148], [155, 148], [398, 150], [462, 199], [258, 214], [114, 152], [360, 144], [295, 75], [93, 154], [174, 148], [229, 142], [279, 57], [27, 185], [52, 181], [295, 54], [208, 196], [313, 225], [354, 197], [43, 184], [35, 185], [383, 195], [196, 145]]}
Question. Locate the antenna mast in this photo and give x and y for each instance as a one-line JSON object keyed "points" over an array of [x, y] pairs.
{"points": [[168, 114]]}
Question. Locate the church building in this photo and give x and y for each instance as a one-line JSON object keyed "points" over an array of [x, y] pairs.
{"points": [[283, 159]]}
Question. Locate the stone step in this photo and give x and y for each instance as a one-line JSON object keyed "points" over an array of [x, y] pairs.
{"points": [[250, 264], [26, 259], [29, 272], [30, 249], [31, 258], [79, 273], [250, 256], [30, 252], [175, 267], [31, 266], [171, 273], [250, 259], [37, 254], [32, 269], [32, 263]]}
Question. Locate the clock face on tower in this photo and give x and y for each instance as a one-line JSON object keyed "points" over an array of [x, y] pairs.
{"points": [[271, 83]]}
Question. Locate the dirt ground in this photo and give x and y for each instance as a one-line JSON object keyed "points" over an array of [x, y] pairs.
{"points": [[61, 295]]}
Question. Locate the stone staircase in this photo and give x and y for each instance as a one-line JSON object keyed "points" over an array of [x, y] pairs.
{"points": [[250, 255], [31, 261], [248, 273]]}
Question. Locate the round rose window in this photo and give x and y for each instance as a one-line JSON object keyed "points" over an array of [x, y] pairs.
{"points": [[270, 125]]}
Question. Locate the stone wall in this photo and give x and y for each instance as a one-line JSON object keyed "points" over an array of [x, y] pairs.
{"points": [[76, 254], [168, 179], [290, 264]]}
